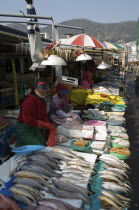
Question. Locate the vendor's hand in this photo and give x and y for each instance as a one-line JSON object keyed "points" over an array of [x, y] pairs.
{"points": [[42, 124], [52, 127]]}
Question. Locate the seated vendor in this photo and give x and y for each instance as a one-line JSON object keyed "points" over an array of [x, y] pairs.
{"points": [[60, 107], [32, 117]]}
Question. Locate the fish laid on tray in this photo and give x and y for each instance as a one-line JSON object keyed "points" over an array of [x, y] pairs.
{"points": [[51, 204], [115, 179], [41, 172]]}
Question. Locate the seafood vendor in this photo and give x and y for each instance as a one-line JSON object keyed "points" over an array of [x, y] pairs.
{"points": [[87, 81], [32, 117], [60, 107]]}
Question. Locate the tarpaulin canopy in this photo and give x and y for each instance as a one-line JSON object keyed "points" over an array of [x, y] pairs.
{"points": [[83, 40], [118, 47], [109, 45]]}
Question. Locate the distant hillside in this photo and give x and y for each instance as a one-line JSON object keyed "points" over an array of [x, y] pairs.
{"points": [[112, 32]]}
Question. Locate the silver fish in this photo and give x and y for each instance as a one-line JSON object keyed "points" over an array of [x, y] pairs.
{"points": [[45, 160], [74, 181], [79, 163], [59, 156], [38, 163], [22, 192], [111, 178], [28, 188], [83, 169], [30, 174], [73, 170], [113, 173], [117, 159], [70, 195], [68, 187], [52, 204], [114, 187], [75, 176], [47, 155], [120, 171], [40, 170], [21, 198], [28, 181], [63, 151], [111, 162], [44, 201]]}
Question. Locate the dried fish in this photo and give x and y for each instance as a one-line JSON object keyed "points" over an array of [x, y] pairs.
{"points": [[63, 151], [74, 170], [74, 181], [109, 201], [111, 162], [30, 174], [114, 187], [28, 188], [113, 196], [120, 171], [22, 192], [113, 173], [83, 169], [123, 198], [111, 178], [76, 161], [115, 158], [75, 176]]}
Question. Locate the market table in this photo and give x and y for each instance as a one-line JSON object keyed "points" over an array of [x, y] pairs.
{"points": [[10, 165]]}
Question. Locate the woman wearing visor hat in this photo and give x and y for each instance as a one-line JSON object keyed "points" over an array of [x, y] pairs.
{"points": [[32, 117], [60, 107]]}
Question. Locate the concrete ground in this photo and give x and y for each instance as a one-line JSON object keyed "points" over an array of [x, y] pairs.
{"points": [[132, 126]]}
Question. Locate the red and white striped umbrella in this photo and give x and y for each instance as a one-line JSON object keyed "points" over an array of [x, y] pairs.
{"points": [[83, 40]]}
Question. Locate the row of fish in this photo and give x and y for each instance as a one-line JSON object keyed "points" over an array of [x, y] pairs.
{"points": [[115, 179], [58, 172]]}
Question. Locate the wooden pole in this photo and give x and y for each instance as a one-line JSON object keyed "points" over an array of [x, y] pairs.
{"points": [[15, 83]]}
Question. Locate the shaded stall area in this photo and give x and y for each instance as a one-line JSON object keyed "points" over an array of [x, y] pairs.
{"points": [[132, 126]]}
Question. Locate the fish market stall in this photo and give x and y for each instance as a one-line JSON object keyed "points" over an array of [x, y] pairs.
{"points": [[66, 169]]}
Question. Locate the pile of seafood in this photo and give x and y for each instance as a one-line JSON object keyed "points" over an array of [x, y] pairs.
{"points": [[59, 172], [80, 143], [120, 150], [115, 186]]}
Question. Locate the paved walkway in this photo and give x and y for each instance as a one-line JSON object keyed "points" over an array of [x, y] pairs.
{"points": [[132, 126]]}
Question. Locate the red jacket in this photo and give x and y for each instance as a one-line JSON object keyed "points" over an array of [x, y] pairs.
{"points": [[33, 109]]}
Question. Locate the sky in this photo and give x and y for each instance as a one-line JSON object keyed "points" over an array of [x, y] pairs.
{"points": [[102, 11]]}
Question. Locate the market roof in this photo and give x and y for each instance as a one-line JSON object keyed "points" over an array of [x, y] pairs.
{"points": [[10, 36], [15, 33]]}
